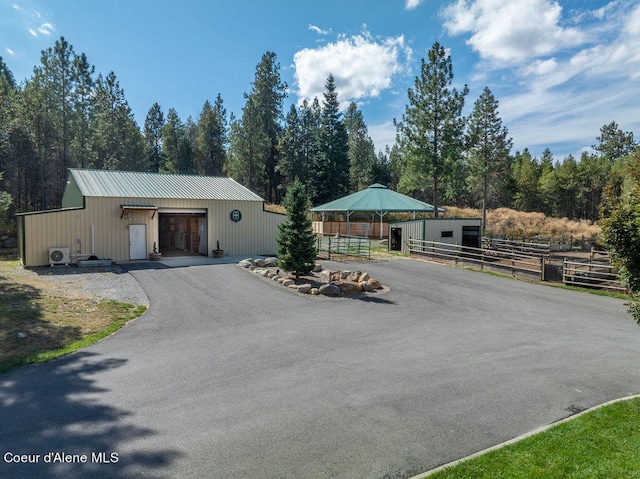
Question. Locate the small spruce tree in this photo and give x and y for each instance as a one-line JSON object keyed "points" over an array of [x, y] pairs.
{"points": [[296, 243]]}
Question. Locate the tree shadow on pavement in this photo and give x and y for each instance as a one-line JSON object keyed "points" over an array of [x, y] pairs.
{"points": [[55, 408]]}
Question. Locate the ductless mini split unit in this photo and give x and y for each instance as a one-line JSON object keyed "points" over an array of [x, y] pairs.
{"points": [[58, 256]]}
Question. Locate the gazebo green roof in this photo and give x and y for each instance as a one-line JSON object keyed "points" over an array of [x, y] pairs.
{"points": [[376, 198]]}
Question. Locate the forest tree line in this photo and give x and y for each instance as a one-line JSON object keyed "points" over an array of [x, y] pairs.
{"points": [[65, 116]]}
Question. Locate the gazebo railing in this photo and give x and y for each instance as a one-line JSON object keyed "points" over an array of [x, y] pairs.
{"points": [[344, 245]]}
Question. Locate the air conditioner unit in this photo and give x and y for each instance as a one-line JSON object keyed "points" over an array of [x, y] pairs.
{"points": [[59, 256]]}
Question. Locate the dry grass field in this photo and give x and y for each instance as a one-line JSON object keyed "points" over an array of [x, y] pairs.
{"points": [[506, 221]]}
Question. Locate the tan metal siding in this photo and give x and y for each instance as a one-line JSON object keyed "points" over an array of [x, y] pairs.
{"points": [[254, 235], [47, 230], [430, 229]]}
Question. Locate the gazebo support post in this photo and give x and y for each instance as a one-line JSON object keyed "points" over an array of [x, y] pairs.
{"points": [[381, 213]]}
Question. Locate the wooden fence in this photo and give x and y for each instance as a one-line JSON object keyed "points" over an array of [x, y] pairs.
{"points": [[517, 264], [355, 228], [591, 275], [514, 246], [344, 245]]}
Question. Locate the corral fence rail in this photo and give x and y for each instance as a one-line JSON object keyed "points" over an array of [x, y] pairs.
{"points": [[516, 246], [591, 275], [555, 242], [344, 245], [518, 264]]}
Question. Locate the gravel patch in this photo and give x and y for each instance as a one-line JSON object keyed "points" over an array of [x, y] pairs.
{"points": [[108, 282]]}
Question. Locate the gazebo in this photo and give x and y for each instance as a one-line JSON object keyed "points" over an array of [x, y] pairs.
{"points": [[376, 199]]}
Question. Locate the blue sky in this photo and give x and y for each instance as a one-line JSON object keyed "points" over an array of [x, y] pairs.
{"points": [[559, 69]]}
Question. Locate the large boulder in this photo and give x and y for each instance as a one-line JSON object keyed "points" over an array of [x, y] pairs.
{"points": [[354, 276], [375, 283], [304, 288], [259, 263], [350, 288], [363, 277], [245, 263], [366, 286], [271, 262], [330, 289]]}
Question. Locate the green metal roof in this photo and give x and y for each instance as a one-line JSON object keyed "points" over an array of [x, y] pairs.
{"points": [[376, 197], [136, 184]]}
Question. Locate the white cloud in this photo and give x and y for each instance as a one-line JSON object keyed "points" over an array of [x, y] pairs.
{"points": [[362, 67], [508, 31], [411, 4], [46, 28], [16, 7], [565, 98], [319, 30], [10, 51], [33, 32]]}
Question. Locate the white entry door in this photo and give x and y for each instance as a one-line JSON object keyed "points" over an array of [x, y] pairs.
{"points": [[202, 232], [137, 242]]}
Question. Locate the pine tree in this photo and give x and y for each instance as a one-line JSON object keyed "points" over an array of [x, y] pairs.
{"points": [[432, 124], [331, 165], [153, 135], [255, 137], [295, 242], [362, 155], [299, 143], [170, 142], [212, 139], [117, 141], [488, 147], [613, 143]]}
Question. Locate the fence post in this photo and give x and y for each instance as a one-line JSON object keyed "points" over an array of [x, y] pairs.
{"points": [[541, 268], [329, 249], [457, 253]]}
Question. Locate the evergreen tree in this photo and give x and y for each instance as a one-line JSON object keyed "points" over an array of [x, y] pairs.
{"points": [[248, 146], [362, 155], [299, 143], [296, 245], [526, 174], [171, 133], [153, 137], [547, 193], [117, 141], [331, 163], [432, 123], [82, 98], [488, 148], [187, 146], [257, 135], [212, 139], [613, 143]]}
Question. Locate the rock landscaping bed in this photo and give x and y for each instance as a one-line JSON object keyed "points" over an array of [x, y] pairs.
{"points": [[319, 282]]}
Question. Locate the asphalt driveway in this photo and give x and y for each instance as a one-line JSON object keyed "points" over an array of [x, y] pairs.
{"points": [[231, 376]]}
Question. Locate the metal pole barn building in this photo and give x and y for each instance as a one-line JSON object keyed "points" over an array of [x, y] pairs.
{"points": [[123, 215]]}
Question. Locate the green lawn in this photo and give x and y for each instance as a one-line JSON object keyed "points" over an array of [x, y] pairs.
{"points": [[603, 444]]}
